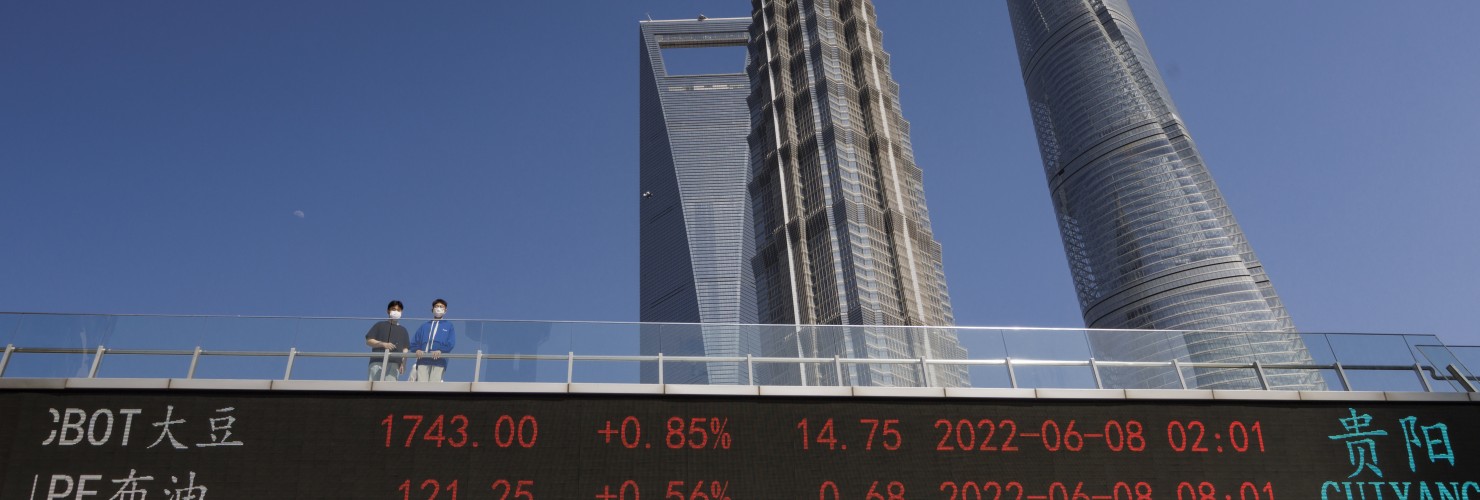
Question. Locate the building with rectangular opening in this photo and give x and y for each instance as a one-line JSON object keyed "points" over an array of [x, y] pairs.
{"points": [[696, 242]]}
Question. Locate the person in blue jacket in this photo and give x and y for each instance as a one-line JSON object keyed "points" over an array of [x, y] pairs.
{"points": [[435, 337]]}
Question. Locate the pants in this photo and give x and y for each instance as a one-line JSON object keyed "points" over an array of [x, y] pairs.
{"points": [[376, 368], [429, 373]]}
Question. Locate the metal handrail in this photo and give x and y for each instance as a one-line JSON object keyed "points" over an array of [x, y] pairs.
{"points": [[1424, 372]]}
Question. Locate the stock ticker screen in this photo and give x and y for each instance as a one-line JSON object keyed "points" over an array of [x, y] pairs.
{"points": [[178, 445]]}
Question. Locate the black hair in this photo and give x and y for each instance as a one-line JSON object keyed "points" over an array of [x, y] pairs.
{"points": [[395, 304], [439, 301]]}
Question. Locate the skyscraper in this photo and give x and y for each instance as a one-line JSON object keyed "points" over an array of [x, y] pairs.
{"points": [[1150, 241], [843, 234], [696, 242]]}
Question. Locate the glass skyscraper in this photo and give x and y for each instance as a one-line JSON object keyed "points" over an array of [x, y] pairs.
{"points": [[842, 232], [1150, 241], [696, 241]]}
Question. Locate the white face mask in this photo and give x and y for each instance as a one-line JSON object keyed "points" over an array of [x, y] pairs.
{"points": [[439, 311], [395, 314]]}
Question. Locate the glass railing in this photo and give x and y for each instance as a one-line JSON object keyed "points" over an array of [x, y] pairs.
{"points": [[280, 348]]}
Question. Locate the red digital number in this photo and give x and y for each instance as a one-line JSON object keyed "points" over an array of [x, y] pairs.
{"points": [[461, 422], [516, 488], [962, 435], [970, 490], [1060, 491], [1124, 491], [887, 433], [435, 486], [1200, 491], [416, 425], [1251, 491], [434, 432], [1178, 435], [697, 427], [1130, 435], [525, 432], [693, 433], [894, 490], [826, 488], [1238, 436], [1055, 439], [824, 435]]}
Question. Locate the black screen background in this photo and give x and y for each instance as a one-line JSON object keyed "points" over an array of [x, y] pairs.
{"points": [[332, 445]]}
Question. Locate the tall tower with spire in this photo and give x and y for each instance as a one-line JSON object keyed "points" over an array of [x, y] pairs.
{"points": [[843, 233], [1150, 241]]}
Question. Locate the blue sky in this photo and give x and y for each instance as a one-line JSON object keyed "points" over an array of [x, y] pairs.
{"points": [[321, 158]]}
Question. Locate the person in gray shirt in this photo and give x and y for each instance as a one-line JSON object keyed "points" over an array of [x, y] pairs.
{"points": [[388, 335]]}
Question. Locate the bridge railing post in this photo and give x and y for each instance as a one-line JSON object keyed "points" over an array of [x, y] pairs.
{"points": [[477, 365], [5, 359], [292, 354], [97, 360], [1346, 385], [1453, 371], [1259, 372], [1424, 379], [838, 368], [385, 364], [194, 360]]}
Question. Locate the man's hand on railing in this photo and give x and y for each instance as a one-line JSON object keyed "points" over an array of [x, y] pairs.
{"points": [[436, 354]]}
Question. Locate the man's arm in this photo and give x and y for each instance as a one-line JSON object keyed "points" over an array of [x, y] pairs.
{"points": [[371, 340], [449, 341], [400, 338], [418, 340]]}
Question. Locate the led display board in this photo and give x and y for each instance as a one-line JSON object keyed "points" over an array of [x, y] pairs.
{"points": [[218, 445]]}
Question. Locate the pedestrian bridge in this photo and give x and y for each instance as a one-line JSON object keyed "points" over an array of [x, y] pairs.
{"points": [[197, 407], [235, 352]]}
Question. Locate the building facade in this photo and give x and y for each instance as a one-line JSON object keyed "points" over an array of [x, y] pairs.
{"points": [[1150, 241], [842, 231], [696, 240]]}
